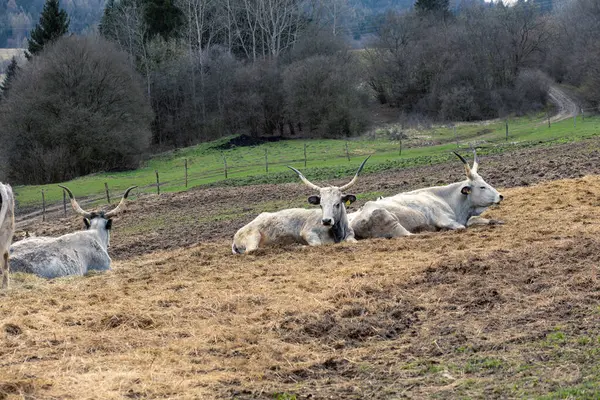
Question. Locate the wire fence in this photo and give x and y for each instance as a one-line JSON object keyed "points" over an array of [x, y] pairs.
{"points": [[269, 165]]}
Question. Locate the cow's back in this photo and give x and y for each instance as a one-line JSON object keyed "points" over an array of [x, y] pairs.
{"points": [[46, 257]]}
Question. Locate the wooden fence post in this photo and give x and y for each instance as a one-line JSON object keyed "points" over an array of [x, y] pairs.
{"points": [[225, 163], [548, 114], [455, 136], [186, 173], [157, 183], [107, 192], [582, 115], [266, 161], [43, 206], [506, 130], [574, 121], [304, 155], [400, 145], [65, 203], [347, 152]]}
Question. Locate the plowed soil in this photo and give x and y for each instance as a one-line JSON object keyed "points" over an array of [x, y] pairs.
{"points": [[508, 311], [176, 220]]}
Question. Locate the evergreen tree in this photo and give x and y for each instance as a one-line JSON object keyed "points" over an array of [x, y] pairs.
{"points": [[11, 72], [53, 24], [432, 6], [107, 19], [163, 18]]}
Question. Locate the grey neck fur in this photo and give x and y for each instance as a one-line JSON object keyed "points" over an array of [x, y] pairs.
{"points": [[339, 230]]}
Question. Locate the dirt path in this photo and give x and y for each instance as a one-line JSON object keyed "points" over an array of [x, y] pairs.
{"points": [[567, 108]]}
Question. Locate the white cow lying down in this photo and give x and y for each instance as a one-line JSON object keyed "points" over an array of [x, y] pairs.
{"points": [[298, 225], [429, 209], [71, 254]]}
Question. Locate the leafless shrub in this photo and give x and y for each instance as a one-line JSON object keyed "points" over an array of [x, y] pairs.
{"points": [[323, 94], [77, 108]]}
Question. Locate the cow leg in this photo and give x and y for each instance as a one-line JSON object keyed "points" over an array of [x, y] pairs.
{"points": [[379, 223], [312, 238], [315, 236], [5, 270], [252, 242], [447, 223], [483, 221]]}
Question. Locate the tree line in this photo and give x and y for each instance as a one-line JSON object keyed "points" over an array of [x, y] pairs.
{"points": [[160, 74]]}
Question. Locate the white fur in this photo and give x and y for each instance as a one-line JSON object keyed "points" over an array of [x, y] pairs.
{"points": [[7, 229]]}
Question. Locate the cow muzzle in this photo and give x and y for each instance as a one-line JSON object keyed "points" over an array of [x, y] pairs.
{"points": [[327, 221]]}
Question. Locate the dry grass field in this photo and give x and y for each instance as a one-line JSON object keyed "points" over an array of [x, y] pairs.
{"points": [[507, 311]]}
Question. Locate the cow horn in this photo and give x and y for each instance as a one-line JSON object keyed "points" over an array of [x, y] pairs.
{"points": [[475, 161], [306, 181], [119, 208], [74, 203], [467, 168], [353, 181]]}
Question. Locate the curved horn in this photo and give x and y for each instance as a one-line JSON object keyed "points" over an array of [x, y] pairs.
{"points": [[353, 181], [475, 161], [74, 203], [306, 181], [119, 208], [467, 168]]}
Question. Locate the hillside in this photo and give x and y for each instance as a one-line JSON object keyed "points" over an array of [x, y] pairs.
{"points": [[497, 312]]}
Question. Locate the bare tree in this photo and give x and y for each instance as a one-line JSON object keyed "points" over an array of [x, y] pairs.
{"points": [[77, 108], [127, 27]]}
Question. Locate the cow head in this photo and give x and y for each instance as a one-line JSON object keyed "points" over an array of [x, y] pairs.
{"points": [[331, 198], [100, 221], [478, 191]]}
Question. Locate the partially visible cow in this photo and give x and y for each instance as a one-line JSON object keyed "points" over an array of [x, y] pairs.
{"points": [[71, 254], [7, 229], [429, 209], [298, 225]]}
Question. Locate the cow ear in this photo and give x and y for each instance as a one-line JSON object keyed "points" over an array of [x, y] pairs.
{"points": [[108, 225], [86, 223], [465, 190], [316, 200], [348, 199]]}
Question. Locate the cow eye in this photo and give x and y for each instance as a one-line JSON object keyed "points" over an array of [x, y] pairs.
{"points": [[483, 187], [337, 205]]}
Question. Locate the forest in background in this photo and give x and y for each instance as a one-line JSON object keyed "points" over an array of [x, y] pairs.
{"points": [[203, 69]]}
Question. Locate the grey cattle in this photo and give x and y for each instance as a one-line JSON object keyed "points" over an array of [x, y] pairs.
{"points": [[71, 254], [7, 229], [298, 225], [429, 209]]}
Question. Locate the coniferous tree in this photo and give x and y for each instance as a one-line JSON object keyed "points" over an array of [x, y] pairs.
{"points": [[106, 19], [53, 24], [11, 72], [163, 18], [435, 6]]}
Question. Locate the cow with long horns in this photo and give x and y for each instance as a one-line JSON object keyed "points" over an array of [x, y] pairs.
{"points": [[429, 209], [71, 254], [311, 227], [7, 229]]}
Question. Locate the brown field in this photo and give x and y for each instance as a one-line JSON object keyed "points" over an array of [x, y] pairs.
{"points": [[506, 311]]}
